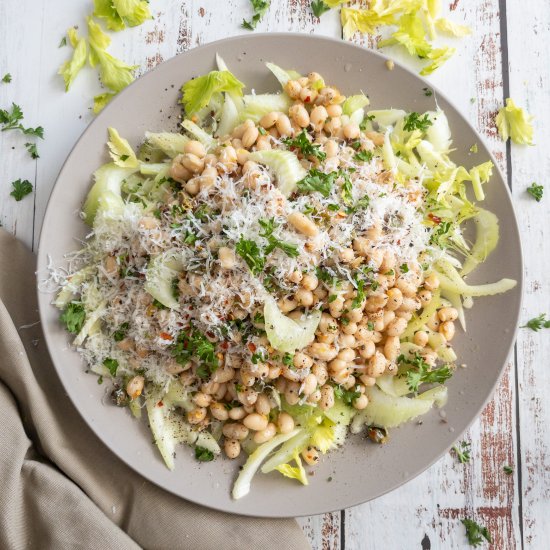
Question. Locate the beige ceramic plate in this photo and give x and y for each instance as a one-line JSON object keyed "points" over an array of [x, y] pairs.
{"points": [[361, 470]]}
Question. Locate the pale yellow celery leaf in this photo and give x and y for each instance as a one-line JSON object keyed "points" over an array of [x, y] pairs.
{"points": [[452, 29], [105, 10], [114, 73], [292, 472], [411, 35], [121, 151], [515, 123], [133, 12], [198, 92], [334, 3], [101, 100], [70, 69], [363, 20], [439, 57], [433, 7]]}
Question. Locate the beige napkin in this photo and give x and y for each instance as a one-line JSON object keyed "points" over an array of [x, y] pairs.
{"points": [[60, 487]]}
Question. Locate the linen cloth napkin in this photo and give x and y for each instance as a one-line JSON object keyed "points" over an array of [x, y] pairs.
{"points": [[60, 487]]}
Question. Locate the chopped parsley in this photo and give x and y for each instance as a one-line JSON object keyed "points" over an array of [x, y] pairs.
{"points": [[318, 181], [428, 92], [6, 78], [404, 268], [268, 227], [121, 332], [363, 156], [508, 470], [250, 252], [33, 151], [420, 372], [347, 188], [11, 120], [475, 532], [462, 451], [360, 297], [73, 317], [308, 149], [536, 191], [203, 455], [260, 8], [63, 42], [111, 365], [537, 323], [318, 7], [192, 343], [347, 396], [414, 121], [288, 359], [440, 235], [21, 188]]}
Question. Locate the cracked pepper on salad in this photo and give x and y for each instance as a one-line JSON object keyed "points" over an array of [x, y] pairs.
{"points": [[287, 270]]}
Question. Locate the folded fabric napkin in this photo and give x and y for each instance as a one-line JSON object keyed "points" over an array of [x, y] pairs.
{"points": [[61, 488]]}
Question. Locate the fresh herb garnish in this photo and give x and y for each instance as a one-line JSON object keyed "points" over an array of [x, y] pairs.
{"points": [[414, 121], [420, 372], [63, 42], [508, 470], [120, 333], [318, 7], [21, 188], [360, 297], [475, 532], [347, 396], [347, 189], [73, 317], [462, 451], [318, 181], [192, 343], [203, 455], [111, 365], [363, 156], [189, 238], [288, 359], [536, 191], [250, 252], [306, 147], [404, 268], [537, 323], [6, 78], [260, 7], [370, 326], [11, 120], [268, 227], [428, 92], [33, 151]]}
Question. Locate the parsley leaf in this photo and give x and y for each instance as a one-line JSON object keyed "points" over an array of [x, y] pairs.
{"points": [[537, 323], [6, 78], [363, 156], [260, 8], [414, 121], [11, 120], [307, 148], [250, 252], [347, 396], [192, 343], [404, 268], [73, 317], [120, 333], [111, 365], [21, 189], [475, 532], [269, 227], [318, 7], [318, 181], [462, 451], [203, 455], [420, 372], [428, 92], [440, 235], [536, 191], [33, 151], [358, 300], [508, 470], [63, 42]]}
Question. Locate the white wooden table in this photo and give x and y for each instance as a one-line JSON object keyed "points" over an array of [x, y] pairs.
{"points": [[507, 55]]}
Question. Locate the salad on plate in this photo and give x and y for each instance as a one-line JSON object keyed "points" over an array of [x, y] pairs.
{"points": [[287, 269]]}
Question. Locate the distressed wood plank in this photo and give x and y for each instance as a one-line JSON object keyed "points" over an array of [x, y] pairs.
{"points": [[528, 31], [431, 506]]}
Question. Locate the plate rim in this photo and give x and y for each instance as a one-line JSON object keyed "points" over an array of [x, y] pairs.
{"points": [[48, 212]]}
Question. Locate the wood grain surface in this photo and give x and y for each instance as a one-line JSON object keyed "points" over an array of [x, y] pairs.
{"points": [[507, 54]]}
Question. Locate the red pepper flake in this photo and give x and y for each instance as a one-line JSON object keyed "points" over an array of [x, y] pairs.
{"points": [[165, 336], [160, 404], [252, 347], [224, 345], [434, 218]]}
